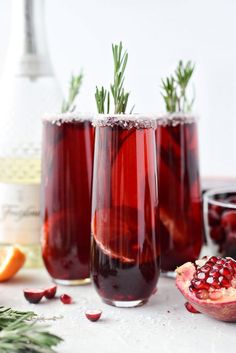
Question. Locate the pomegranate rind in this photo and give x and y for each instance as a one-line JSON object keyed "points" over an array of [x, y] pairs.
{"points": [[223, 309]]}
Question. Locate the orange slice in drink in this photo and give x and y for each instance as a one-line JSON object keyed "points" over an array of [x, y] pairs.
{"points": [[115, 232], [119, 235], [11, 260]]}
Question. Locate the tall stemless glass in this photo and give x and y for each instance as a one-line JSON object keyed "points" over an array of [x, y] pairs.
{"points": [[125, 242], [67, 162], [181, 222]]}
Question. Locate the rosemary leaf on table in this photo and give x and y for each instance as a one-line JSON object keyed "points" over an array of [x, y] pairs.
{"points": [[19, 334]]}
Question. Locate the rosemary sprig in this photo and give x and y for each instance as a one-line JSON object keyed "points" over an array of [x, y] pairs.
{"points": [[100, 96], [18, 334], [74, 88], [119, 95], [174, 89]]}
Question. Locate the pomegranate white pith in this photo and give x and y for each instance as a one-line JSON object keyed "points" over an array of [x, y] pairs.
{"points": [[215, 297]]}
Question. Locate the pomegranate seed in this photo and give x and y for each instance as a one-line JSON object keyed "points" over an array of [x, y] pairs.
{"points": [[216, 267], [213, 259], [215, 295], [66, 299], [190, 308], [214, 273], [198, 284], [224, 282], [50, 292], [205, 268], [213, 282], [33, 295], [192, 288], [210, 280], [201, 275], [202, 294], [93, 315], [226, 272]]}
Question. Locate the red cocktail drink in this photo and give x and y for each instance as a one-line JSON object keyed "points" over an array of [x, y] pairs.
{"points": [[181, 225], [125, 241], [67, 162]]}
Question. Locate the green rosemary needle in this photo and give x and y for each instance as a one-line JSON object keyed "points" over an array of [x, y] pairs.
{"points": [[19, 334], [117, 91], [74, 88], [174, 89]]}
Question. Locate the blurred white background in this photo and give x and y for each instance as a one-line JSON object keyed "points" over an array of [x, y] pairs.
{"points": [[157, 33]]}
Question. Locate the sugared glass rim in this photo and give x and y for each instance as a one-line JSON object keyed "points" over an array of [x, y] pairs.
{"points": [[176, 118], [128, 121], [147, 118], [68, 117], [208, 196]]}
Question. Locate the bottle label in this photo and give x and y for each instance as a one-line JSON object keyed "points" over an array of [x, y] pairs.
{"points": [[19, 213]]}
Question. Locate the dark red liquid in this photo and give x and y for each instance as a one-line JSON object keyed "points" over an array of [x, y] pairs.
{"points": [[125, 243], [181, 225], [66, 198]]}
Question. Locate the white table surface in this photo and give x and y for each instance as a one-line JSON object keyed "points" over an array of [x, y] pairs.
{"points": [[161, 326]]}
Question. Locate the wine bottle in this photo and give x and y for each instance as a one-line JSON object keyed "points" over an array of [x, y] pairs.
{"points": [[28, 89]]}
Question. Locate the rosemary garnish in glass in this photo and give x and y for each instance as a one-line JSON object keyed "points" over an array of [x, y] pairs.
{"points": [[74, 88], [117, 91], [174, 89]]}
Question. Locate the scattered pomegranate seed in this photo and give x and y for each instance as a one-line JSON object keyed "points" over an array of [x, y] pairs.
{"points": [[50, 292], [93, 315], [190, 308], [33, 295], [66, 299]]}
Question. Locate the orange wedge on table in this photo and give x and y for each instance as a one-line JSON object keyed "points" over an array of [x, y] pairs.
{"points": [[11, 260]]}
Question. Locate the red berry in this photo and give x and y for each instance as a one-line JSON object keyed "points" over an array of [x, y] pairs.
{"points": [[93, 315], [50, 292], [228, 220], [217, 234], [66, 299], [33, 295]]}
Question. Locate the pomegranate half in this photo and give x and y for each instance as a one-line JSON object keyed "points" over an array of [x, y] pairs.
{"points": [[209, 285]]}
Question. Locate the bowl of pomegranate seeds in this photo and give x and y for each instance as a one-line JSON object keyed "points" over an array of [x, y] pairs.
{"points": [[220, 221]]}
